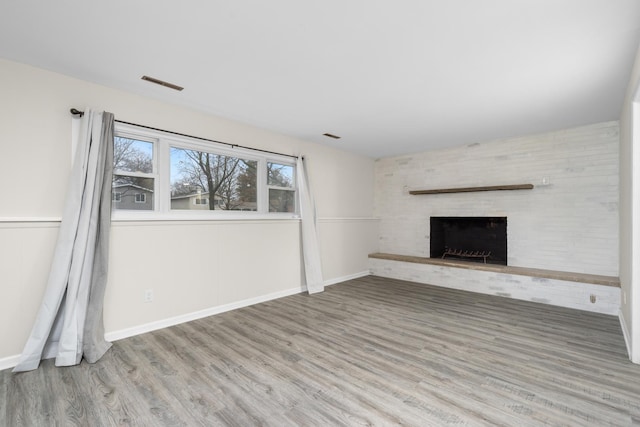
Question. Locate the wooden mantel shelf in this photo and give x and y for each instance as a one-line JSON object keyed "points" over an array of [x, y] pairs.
{"points": [[472, 189], [521, 271]]}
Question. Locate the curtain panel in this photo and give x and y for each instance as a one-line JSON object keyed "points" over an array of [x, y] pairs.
{"points": [[69, 324], [309, 232]]}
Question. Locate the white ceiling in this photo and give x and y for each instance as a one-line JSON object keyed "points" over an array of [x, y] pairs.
{"points": [[389, 76]]}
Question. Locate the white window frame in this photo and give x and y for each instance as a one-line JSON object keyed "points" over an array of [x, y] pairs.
{"points": [[140, 198], [116, 197], [162, 181], [129, 132], [293, 188]]}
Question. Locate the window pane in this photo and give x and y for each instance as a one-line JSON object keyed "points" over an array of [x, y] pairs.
{"points": [[281, 200], [279, 175], [135, 193], [225, 182], [130, 155]]}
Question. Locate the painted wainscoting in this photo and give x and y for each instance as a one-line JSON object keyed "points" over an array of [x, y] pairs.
{"points": [[344, 246], [191, 266], [192, 269], [26, 248]]}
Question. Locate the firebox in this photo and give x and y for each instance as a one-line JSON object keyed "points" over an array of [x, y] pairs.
{"points": [[475, 239]]}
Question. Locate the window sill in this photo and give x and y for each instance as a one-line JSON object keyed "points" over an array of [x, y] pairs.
{"points": [[121, 216]]}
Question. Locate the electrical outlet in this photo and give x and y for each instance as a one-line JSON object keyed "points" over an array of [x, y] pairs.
{"points": [[148, 295]]}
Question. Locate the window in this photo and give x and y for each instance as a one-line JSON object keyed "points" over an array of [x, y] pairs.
{"points": [[176, 177], [133, 175], [281, 187], [232, 181]]}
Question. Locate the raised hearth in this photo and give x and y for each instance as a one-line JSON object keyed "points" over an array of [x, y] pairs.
{"points": [[594, 279]]}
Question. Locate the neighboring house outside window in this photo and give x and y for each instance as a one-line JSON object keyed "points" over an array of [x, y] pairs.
{"points": [[134, 197], [200, 201], [195, 201], [134, 173]]}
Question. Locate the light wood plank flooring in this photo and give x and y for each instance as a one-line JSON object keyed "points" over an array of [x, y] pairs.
{"points": [[370, 351]]}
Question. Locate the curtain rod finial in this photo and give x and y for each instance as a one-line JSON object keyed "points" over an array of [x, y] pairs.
{"points": [[76, 112]]}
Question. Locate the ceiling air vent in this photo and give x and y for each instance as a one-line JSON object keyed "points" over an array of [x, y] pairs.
{"points": [[162, 83], [330, 135]]}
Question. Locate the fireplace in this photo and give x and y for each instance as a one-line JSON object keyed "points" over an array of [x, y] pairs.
{"points": [[474, 239]]}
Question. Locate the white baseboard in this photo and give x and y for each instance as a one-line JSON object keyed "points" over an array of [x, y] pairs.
{"points": [[165, 323], [345, 278], [625, 333], [172, 321], [12, 361], [9, 362]]}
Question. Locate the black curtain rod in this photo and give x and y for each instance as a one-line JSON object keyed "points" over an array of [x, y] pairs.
{"points": [[77, 112]]}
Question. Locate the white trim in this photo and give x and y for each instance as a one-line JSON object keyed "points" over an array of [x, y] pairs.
{"points": [[142, 219], [196, 215], [634, 285], [12, 361], [189, 143], [200, 221], [9, 362], [176, 217], [625, 333], [183, 318], [30, 219], [172, 321], [14, 225], [347, 219], [345, 278]]}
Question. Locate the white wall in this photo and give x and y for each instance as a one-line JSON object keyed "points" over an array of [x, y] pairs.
{"points": [[630, 213], [193, 267], [569, 225]]}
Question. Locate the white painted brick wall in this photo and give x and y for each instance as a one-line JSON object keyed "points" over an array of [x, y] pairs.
{"points": [[569, 225], [606, 299]]}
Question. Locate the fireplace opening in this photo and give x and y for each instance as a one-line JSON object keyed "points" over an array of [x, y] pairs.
{"points": [[474, 239]]}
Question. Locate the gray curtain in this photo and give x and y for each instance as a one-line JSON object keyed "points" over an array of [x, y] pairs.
{"points": [[69, 324], [309, 231]]}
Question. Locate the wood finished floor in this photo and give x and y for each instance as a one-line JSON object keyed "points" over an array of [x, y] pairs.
{"points": [[370, 351]]}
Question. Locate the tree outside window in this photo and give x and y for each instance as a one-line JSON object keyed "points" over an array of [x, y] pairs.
{"points": [[281, 187], [229, 183]]}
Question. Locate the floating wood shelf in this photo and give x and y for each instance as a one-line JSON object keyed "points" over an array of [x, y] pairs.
{"points": [[472, 189]]}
